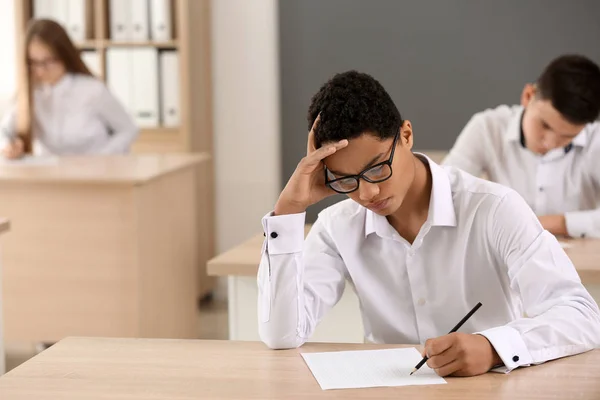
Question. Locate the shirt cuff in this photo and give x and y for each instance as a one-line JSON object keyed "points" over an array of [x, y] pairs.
{"points": [[578, 223], [284, 233], [510, 346]]}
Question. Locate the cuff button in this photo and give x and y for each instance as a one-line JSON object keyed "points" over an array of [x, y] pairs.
{"points": [[516, 358], [274, 235]]}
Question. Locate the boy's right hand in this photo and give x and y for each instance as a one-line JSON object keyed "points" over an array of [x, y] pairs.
{"points": [[307, 184], [14, 149]]}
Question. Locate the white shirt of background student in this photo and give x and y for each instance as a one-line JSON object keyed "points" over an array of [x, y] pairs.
{"points": [[73, 113], [551, 158]]}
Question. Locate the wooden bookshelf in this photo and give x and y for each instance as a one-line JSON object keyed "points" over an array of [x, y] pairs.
{"points": [[191, 22], [191, 39], [169, 45]]}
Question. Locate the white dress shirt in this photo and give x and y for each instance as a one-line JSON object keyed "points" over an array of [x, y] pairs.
{"points": [[563, 181], [480, 243], [76, 116]]}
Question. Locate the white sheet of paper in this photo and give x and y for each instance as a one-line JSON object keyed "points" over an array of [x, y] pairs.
{"points": [[564, 245], [31, 160], [369, 368]]}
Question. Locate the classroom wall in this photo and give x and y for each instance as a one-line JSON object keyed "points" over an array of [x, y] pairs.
{"points": [[246, 116], [8, 72], [441, 61]]}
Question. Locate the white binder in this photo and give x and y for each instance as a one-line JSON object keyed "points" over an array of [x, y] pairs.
{"points": [[119, 20], [56, 10], [76, 20], [169, 88], [118, 76], [139, 20], [91, 59], [60, 12], [144, 76], [43, 9], [160, 20]]}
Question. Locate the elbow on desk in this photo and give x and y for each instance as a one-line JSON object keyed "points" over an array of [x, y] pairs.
{"points": [[279, 342], [590, 313], [596, 325]]}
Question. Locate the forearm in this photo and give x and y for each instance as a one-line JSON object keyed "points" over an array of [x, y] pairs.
{"points": [[299, 280], [120, 142], [555, 224], [280, 283]]}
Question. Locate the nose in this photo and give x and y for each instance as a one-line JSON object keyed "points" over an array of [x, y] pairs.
{"points": [[38, 72], [367, 191]]}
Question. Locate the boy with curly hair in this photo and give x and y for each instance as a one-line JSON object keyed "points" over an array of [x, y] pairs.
{"points": [[420, 244]]}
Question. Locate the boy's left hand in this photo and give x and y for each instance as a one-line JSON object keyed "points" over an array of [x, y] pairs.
{"points": [[461, 354]]}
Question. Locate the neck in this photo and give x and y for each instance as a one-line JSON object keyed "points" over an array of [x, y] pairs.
{"points": [[414, 210]]}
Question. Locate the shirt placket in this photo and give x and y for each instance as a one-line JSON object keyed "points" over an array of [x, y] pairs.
{"points": [[541, 189], [417, 279]]}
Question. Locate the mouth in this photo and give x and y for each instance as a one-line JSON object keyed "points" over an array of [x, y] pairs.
{"points": [[379, 205]]}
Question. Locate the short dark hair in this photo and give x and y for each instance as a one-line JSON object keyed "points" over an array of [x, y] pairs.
{"points": [[572, 84], [351, 104]]}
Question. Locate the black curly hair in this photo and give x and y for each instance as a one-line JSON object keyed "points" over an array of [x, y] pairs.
{"points": [[351, 104]]}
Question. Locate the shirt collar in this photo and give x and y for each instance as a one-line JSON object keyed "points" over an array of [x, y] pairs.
{"points": [[441, 204], [513, 132], [582, 138], [59, 87]]}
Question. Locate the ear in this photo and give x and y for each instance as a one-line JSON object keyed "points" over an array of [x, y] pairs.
{"points": [[406, 134], [528, 94]]}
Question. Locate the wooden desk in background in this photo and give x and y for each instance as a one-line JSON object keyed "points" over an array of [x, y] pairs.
{"points": [[105, 246], [94, 369], [343, 323], [4, 227]]}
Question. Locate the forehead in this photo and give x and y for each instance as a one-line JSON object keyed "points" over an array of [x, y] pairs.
{"points": [[555, 120], [360, 151], [36, 46]]}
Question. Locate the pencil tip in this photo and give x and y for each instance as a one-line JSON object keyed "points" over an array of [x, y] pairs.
{"points": [[413, 371]]}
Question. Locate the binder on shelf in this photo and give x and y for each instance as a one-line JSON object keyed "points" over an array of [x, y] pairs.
{"points": [[56, 10], [139, 20], [76, 20], [61, 12], [119, 20], [91, 59], [43, 9], [118, 76], [145, 86], [132, 76], [161, 29], [169, 89]]}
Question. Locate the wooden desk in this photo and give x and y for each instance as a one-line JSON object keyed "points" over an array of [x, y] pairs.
{"points": [[95, 369], [4, 227], [104, 246], [343, 323]]}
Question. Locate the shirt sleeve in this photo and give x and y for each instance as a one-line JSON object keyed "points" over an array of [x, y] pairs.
{"points": [[469, 150], [561, 318], [582, 224], [119, 122], [586, 223], [8, 126], [299, 280]]}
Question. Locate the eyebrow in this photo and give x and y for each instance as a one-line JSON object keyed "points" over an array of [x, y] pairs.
{"points": [[377, 157]]}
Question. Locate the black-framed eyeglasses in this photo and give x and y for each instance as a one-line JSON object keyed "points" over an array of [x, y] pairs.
{"points": [[377, 173], [43, 64]]}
